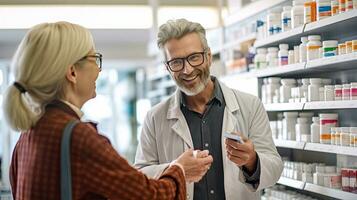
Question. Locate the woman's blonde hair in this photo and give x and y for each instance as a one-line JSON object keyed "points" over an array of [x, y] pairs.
{"points": [[40, 64]]}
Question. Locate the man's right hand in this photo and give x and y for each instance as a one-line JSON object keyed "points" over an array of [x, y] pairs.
{"points": [[195, 167]]}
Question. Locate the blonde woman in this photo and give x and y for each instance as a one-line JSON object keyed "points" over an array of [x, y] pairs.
{"points": [[56, 68]]}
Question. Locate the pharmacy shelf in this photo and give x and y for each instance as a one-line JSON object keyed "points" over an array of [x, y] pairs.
{"points": [[291, 183], [334, 63], [329, 105], [238, 42], [334, 27], [316, 105], [338, 26], [334, 193], [284, 107], [338, 194], [281, 70], [288, 37], [251, 10], [289, 144], [344, 150]]}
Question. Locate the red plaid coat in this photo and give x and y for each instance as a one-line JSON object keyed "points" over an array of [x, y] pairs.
{"points": [[98, 171]]}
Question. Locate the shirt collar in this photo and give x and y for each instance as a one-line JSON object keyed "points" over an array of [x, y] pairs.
{"points": [[217, 93], [74, 108]]}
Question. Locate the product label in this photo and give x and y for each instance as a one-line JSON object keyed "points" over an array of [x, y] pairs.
{"points": [[286, 21], [335, 10], [349, 4], [330, 51], [325, 136], [310, 11], [328, 121], [354, 92], [354, 47], [284, 60], [346, 92], [338, 93], [342, 5], [313, 47]]}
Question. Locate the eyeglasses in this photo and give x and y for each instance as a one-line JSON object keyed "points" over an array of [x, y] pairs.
{"points": [[194, 59], [98, 59]]}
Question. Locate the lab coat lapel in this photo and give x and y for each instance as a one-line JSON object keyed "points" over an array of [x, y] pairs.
{"points": [[180, 126]]}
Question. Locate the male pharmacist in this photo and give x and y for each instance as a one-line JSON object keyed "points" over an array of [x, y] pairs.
{"points": [[198, 115]]}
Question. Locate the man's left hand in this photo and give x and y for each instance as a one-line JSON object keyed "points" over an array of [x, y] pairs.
{"points": [[242, 154]]}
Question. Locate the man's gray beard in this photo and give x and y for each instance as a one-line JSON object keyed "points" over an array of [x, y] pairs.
{"points": [[195, 91]]}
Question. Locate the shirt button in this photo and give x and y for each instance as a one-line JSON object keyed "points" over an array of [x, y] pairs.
{"points": [[212, 191], [204, 121], [206, 145]]}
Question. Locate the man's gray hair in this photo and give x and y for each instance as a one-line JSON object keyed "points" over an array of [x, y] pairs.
{"points": [[176, 29]]}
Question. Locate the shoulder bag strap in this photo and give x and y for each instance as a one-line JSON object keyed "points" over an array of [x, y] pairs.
{"points": [[66, 179]]}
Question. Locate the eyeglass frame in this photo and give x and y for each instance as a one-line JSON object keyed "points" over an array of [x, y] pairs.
{"points": [[96, 56], [186, 59]]}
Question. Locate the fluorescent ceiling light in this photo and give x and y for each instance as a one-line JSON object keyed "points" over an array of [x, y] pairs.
{"points": [[207, 16], [89, 16]]}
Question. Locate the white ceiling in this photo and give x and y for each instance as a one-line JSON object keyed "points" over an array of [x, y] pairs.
{"points": [[125, 47]]}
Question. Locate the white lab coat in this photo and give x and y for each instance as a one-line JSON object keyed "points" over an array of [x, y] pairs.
{"points": [[166, 135]]}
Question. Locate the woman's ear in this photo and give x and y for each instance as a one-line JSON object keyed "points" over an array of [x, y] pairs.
{"points": [[71, 74]]}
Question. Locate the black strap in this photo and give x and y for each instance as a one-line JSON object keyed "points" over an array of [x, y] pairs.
{"points": [[66, 179]]}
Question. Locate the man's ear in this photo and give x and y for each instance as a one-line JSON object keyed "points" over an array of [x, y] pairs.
{"points": [[71, 74], [209, 56]]}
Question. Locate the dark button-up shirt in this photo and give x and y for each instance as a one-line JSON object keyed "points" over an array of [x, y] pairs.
{"points": [[206, 132]]}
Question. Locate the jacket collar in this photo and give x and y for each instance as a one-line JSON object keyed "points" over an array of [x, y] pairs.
{"points": [[57, 104], [174, 111]]}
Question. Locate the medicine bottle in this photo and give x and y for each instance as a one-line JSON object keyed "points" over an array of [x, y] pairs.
{"points": [[273, 89], [303, 49], [302, 129], [273, 22], [346, 89], [353, 136], [264, 90], [297, 54], [330, 48], [333, 135], [323, 9], [304, 90], [329, 93], [348, 46], [309, 11], [334, 7], [291, 57], [285, 89], [297, 13], [342, 5], [354, 44], [260, 58], [349, 5], [338, 92], [342, 49], [289, 121], [337, 136], [313, 47], [353, 91], [313, 89], [272, 57], [283, 54], [345, 136], [286, 18], [327, 120]]}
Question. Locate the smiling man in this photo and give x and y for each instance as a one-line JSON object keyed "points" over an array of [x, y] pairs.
{"points": [[198, 114]]}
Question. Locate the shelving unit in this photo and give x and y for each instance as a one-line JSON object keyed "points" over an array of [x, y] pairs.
{"points": [[338, 194], [341, 27], [289, 144], [291, 183], [316, 105], [324, 148], [331, 27], [334, 193]]}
